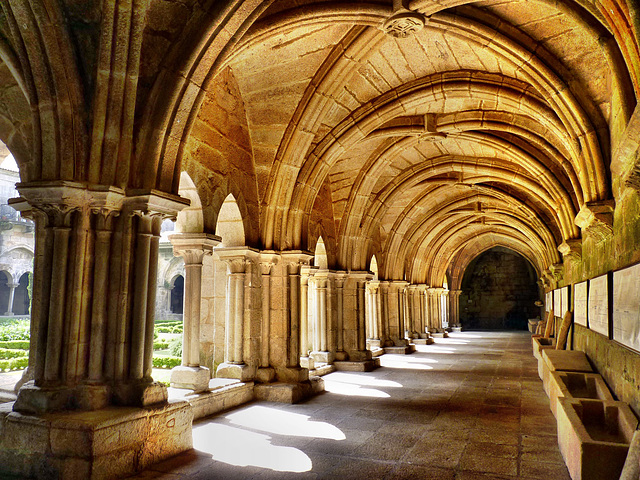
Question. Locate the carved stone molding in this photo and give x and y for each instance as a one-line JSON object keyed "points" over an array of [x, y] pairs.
{"points": [[194, 246], [403, 24], [571, 249], [596, 218], [557, 271]]}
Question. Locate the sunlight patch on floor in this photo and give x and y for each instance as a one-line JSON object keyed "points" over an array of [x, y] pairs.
{"points": [[402, 361], [243, 448], [280, 422]]}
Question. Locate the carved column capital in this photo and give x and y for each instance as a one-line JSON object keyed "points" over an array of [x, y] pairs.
{"points": [[193, 246], [571, 249], [236, 258], [596, 218]]}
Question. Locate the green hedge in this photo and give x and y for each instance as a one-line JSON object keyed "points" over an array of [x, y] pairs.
{"points": [[166, 362], [15, 331], [160, 345], [169, 329], [19, 344], [14, 364], [6, 353]]}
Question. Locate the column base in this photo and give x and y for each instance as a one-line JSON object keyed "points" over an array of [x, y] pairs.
{"points": [[190, 378], [242, 372], [423, 341], [341, 356], [456, 329], [322, 357], [358, 366], [265, 375], [407, 349], [142, 394], [439, 334], [38, 400], [114, 442], [307, 362], [289, 392], [292, 374]]}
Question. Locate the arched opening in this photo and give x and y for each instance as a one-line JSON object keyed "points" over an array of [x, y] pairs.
{"points": [[22, 300], [177, 295], [374, 267], [320, 255], [230, 227], [5, 280], [498, 291]]}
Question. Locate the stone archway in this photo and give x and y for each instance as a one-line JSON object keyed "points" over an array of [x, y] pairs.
{"points": [[177, 295], [21, 299], [5, 292], [498, 291]]}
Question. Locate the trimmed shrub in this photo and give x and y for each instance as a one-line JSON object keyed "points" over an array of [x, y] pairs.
{"points": [[166, 362], [18, 344], [17, 330], [160, 345], [14, 364], [6, 353], [175, 347]]}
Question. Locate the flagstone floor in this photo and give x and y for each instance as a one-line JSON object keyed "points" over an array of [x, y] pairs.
{"points": [[470, 407]]}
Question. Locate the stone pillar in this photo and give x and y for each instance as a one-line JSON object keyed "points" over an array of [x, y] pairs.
{"points": [[234, 366], [423, 317], [454, 307], [265, 372], [306, 316], [95, 274], [192, 247], [341, 354], [433, 301], [353, 318], [384, 309], [406, 317], [290, 371], [12, 291], [373, 311], [396, 312], [321, 353], [445, 306], [414, 310]]}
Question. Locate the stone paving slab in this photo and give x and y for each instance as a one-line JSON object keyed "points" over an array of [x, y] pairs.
{"points": [[470, 407]]}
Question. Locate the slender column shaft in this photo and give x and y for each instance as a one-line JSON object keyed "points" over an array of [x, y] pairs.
{"points": [[229, 330], [99, 306], [304, 315], [340, 315], [12, 291], [238, 340], [143, 249], [191, 331], [322, 313], [56, 307], [266, 315], [362, 340]]}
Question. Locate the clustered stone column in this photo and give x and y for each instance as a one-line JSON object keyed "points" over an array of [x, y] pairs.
{"points": [[454, 307], [95, 272], [373, 315], [192, 247], [238, 260]]}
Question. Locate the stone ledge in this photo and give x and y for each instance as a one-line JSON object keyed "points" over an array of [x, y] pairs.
{"points": [[400, 350], [289, 392], [422, 341], [363, 366], [104, 444], [224, 395]]}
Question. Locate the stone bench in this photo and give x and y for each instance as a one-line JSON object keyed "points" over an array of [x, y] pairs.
{"points": [[563, 361], [576, 385], [540, 343], [594, 437]]}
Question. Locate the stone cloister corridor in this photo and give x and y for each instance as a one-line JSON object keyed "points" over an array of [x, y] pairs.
{"points": [[470, 407], [334, 171]]}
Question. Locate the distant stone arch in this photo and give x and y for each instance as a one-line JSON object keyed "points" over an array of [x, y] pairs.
{"points": [[177, 295], [373, 267], [191, 219], [320, 259], [230, 226]]}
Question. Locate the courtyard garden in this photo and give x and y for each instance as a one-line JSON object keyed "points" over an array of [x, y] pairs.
{"points": [[14, 344]]}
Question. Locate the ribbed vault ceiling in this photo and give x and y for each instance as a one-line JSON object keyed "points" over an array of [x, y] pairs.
{"points": [[490, 126]]}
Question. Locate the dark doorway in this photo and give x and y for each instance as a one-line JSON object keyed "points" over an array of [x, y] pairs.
{"points": [[177, 295], [498, 291], [21, 299]]}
